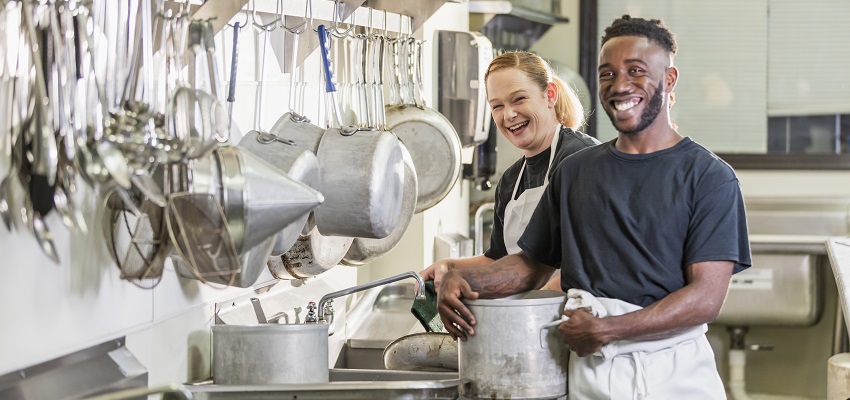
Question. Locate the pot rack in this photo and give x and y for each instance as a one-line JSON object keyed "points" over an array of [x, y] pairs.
{"points": [[354, 12]]}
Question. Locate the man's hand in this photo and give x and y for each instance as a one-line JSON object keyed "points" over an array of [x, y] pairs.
{"points": [[457, 319], [583, 333]]}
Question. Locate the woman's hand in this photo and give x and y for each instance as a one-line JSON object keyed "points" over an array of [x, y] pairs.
{"points": [[436, 271]]}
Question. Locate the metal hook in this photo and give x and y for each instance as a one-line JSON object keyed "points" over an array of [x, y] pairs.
{"points": [[369, 27], [337, 20], [267, 27], [386, 25], [298, 29], [241, 24], [309, 8]]}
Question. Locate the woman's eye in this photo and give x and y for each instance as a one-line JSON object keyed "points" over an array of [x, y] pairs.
{"points": [[496, 107]]}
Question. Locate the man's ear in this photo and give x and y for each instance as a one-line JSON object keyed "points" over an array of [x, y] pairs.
{"points": [[671, 79]]}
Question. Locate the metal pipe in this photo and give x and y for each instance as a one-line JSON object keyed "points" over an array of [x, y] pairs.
{"points": [[479, 226], [420, 290]]}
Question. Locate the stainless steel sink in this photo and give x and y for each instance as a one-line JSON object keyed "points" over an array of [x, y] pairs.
{"points": [[378, 318], [345, 384]]}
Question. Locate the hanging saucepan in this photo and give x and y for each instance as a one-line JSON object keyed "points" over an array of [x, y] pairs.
{"points": [[430, 136], [290, 147], [361, 173], [363, 250], [313, 252]]}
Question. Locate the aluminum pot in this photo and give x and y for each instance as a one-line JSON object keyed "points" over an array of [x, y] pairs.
{"points": [[361, 173], [270, 354], [363, 251], [311, 255], [511, 354]]}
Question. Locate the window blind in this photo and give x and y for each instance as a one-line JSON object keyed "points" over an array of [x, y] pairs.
{"points": [[721, 96], [808, 57]]}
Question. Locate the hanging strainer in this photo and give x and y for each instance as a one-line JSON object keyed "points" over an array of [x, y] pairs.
{"points": [[198, 228], [135, 238]]}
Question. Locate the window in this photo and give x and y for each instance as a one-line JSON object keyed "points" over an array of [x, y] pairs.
{"points": [[757, 77]]}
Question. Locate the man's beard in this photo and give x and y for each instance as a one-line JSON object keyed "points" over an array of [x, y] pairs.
{"points": [[649, 114]]}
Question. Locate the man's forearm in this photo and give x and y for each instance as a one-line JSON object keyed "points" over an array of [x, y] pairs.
{"points": [[508, 275], [469, 262], [697, 303]]}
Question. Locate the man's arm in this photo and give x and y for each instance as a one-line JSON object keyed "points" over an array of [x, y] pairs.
{"points": [[436, 270], [697, 303], [508, 275]]}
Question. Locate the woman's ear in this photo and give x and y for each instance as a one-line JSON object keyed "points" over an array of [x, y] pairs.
{"points": [[552, 94]]}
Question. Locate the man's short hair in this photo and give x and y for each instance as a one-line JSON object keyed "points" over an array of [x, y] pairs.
{"points": [[652, 29]]}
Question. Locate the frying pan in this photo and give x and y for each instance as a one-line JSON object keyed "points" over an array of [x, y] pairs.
{"points": [[432, 140]]}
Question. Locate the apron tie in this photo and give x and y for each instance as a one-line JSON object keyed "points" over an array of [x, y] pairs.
{"points": [[641, 380]]}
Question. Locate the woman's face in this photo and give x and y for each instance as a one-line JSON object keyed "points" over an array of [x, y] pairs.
{"points": [[523, 113]]}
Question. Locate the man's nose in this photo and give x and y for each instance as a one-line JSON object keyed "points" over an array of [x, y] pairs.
{"points": [[622, 83]]}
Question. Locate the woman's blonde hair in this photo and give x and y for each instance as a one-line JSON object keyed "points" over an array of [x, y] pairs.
{"points": [[568, 108]]}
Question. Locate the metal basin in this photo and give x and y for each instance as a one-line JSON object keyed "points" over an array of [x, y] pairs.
{"points": [[345, 384], [378, 318]]}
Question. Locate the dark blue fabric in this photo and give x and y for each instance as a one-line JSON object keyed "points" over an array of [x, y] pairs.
{"points": [[625, 226]]}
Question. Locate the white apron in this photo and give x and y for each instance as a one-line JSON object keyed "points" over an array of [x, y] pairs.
{"points": [[518, 212], [678, 367]]}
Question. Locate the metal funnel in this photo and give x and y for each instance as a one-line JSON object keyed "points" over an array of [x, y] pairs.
{"points": [[260, 200], [299, 163]]}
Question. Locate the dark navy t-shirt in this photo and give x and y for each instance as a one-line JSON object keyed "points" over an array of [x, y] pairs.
{"points": [[626, 226]]}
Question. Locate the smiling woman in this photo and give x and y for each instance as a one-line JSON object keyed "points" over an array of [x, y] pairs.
{"points": [[538, 114]]}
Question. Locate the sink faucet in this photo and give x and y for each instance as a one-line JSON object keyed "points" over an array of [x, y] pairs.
{"points": [[420, 290]]}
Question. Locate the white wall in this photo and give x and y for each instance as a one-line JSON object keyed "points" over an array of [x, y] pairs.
{"points": [[52, 310]]}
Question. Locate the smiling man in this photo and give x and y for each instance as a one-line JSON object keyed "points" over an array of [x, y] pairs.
{"points": [[647, 230]]}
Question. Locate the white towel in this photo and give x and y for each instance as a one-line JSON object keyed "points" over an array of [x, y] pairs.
{"points": [[603, 307]]}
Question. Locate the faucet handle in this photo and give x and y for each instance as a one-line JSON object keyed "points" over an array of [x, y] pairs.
{"points": [[311, 313], [329, 311]]}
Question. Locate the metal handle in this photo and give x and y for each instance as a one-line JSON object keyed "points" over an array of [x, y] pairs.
{"points": [[330, 82], [234, 56], [174, 388], [258, 310], [325, 47]]}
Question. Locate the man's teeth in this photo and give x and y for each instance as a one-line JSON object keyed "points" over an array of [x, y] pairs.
{"points": [[623, 106], [517, 126]]}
